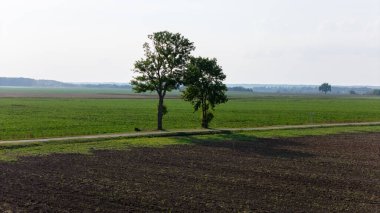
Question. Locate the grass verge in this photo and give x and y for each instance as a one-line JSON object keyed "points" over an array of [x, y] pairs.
{"points": [[12, 152]]}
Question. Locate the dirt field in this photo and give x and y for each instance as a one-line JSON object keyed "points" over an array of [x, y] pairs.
{"points": [[310, 174]]}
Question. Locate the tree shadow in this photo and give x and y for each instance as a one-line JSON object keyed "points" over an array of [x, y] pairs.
{"points": [[18, 146], [282, 148]]}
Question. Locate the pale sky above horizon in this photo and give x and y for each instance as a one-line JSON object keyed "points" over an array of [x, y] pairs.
{"points": [[255, 41]]}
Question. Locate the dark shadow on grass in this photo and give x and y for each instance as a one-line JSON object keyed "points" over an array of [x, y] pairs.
{"points": [[18, 146], [250, 144]]}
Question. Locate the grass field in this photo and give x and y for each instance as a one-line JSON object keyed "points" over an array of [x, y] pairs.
{"points": [[34, 90], [22, 118]]}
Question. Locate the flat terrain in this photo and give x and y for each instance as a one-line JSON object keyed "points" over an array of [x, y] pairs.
{"points": [[44, 113], [222, 173]]}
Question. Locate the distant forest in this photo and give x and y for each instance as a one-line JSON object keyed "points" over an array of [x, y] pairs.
{"points": [[28, 82], [240, 89], [313, 89], [251, 88]]}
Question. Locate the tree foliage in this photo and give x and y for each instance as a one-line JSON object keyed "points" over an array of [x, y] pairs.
{"points": [[162, 68], [325, 87], [203, 80]]}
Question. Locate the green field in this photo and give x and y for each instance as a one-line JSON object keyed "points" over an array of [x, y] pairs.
{"points": [[37, 90], [22, 118]]}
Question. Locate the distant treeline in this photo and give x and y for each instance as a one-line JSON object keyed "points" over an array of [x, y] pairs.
{"points": [[109, 86], [28, 82], [240, 89], [290, 89], [255, 88]]}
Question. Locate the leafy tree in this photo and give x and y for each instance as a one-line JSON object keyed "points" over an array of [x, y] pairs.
{"points": [[162, 67], [204, 86], [325, 87]]}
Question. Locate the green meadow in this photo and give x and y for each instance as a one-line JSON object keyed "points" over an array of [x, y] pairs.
{"points": [[37, 90], [23, 118]]}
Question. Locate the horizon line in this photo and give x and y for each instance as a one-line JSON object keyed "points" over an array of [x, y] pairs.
{"points": [[227, 83]]}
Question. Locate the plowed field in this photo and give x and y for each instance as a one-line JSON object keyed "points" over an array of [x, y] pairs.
{"points": [[308, 174]]}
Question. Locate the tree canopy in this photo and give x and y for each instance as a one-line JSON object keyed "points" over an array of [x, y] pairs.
{"points": [[325, 87], [162, 68], [203, 80]]}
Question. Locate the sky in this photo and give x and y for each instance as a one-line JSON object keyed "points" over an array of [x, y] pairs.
{"points": [[255, 41]]}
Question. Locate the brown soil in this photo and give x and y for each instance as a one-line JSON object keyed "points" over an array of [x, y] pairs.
{"points": [[310, 174]]}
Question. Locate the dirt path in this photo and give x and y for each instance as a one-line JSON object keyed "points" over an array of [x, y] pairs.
{"points": [[187, 132]]}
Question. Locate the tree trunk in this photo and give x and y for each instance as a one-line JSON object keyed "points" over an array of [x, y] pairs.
{"points": [[160, 112], [204, 116], [204, 121]]}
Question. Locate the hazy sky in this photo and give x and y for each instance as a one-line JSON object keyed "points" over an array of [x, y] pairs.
{"points": [[255, 41]]}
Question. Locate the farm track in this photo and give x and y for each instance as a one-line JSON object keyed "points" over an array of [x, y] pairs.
{"points": [[187, 132]]}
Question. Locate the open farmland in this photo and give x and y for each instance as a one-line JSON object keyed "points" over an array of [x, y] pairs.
{"points": [[278, 170], [224, 173], [53, 113]]}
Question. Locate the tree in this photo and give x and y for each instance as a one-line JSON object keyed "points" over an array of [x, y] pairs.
{"points": [[203, 80], [162, 67], [325, 87]]}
